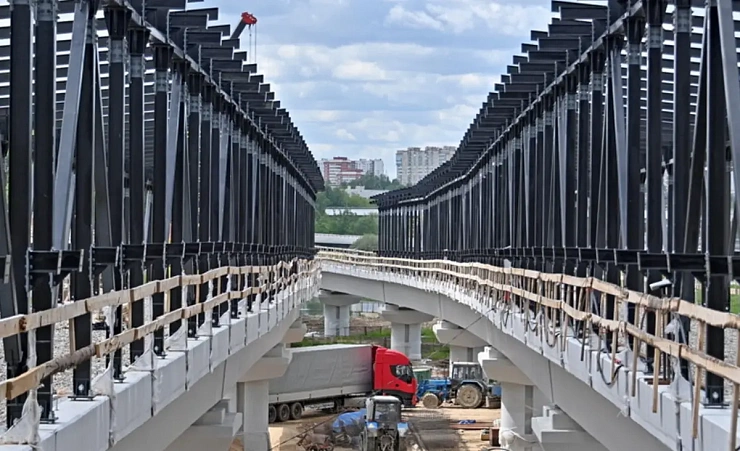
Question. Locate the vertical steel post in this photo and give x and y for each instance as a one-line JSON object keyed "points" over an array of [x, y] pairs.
{"points": [[82, 227], [19, 177], [137, 43], [717, 213], [43, 179], [117, 20], [160, 232]]}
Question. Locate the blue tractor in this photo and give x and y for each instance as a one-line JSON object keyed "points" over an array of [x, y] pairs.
{"points": [[466, 386], [384, 430]]}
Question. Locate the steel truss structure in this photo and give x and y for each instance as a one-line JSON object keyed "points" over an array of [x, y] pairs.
{"points": [[154, 152], [606, 150]]}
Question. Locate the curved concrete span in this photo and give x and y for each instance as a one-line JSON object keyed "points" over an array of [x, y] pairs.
{"points": [[520, 356]]}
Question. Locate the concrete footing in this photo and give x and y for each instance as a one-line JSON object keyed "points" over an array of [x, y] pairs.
{"points": [[405, 329], [519, 404], [215, 430], [556, 431]]}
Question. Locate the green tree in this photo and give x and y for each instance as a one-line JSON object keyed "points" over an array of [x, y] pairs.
{"points": [[371, 181], [339, 198]]}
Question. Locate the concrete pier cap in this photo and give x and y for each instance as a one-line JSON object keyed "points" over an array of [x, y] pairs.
{"points": [[272, 365], [451, 334], [500, 368], [296, 333], [402, 315]]}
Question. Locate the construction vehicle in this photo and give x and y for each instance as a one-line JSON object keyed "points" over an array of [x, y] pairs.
{"points": [[332, 377], [384, 430], [466, 386]]}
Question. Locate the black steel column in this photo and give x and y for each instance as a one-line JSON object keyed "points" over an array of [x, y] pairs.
{"points": [[160, 232], [19, 176], [683, 281], [195, 88], [717, 293], [137, 43], [654, 130], [117, 20], [204, 210], [82, 228], [43, 178], [182, 215]]}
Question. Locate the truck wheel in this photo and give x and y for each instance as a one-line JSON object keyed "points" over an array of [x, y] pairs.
{"points": [[283, 412], [296, 411], [430, 401], [271, 414], [469, 396]]}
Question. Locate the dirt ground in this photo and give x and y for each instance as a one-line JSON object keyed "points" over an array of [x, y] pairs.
{"points": [[433, 425]]}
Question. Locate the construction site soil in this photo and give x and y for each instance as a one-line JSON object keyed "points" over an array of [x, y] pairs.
{"points": [[435, 427]]}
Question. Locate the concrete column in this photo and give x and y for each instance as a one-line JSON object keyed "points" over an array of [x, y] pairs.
{"points": [[337, 312], [253, 397], [215, 430], [406, 338], [517, 404], [464, 353], [405, 329], [252, 402], [464, 346], [336, 320]]}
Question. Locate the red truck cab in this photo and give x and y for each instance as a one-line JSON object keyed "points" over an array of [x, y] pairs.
{"points": [[393, 375]]}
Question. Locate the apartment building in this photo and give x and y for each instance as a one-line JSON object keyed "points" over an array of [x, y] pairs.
{"points": [[414, 163], [340, 170]]}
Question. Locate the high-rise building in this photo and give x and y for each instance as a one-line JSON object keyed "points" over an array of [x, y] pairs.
{"points": [[340, 170], [374, 167], [414, 163]]}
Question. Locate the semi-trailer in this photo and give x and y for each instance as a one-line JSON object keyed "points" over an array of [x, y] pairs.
{"points": [[331, 376]]}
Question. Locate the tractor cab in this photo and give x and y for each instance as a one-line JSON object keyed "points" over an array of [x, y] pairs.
{"points": [[464, 371], [384, 410], [384, 430]]}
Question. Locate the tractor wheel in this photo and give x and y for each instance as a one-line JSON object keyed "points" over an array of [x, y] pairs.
{"points": [[283, 412], [296, 411], [430, 401], [271, 414], [469, 396]]}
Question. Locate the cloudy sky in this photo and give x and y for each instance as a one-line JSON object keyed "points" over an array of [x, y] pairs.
{"points": [[364, 78]]}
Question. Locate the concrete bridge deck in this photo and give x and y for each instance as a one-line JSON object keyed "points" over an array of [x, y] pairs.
{"points": [[610, 403]]}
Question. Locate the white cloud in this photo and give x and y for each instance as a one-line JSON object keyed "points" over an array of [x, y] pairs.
{"points": [[344, 134], [459, 16], [364, 78], [359, 70]]}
